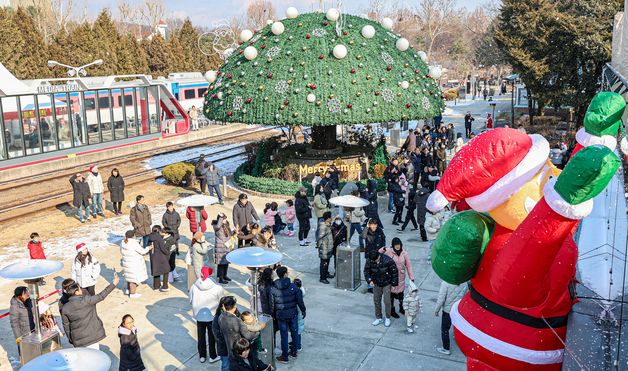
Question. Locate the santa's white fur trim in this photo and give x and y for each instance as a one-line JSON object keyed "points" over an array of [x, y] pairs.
{"points": [[562, 207], [436, 201], [510, 183], [624, 145], [585, 139], [535, 357]]}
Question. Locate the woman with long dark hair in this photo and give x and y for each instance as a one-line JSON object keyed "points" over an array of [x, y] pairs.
{"points": [[85, 269], [115, 185], [224, 244]]}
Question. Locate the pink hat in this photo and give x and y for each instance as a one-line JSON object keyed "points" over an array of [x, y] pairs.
{"points": [[80, 247], [206, 272]]}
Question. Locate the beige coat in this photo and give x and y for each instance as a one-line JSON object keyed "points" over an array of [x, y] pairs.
{"points": [[141, 221]]}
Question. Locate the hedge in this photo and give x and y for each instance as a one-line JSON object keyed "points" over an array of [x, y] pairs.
{"points": [[180, 173]]}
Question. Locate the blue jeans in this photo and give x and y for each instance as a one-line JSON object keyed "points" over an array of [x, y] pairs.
{"points": [[224, 363], [391, 204], [82, 208], [96, 203], [217, 188], [291, 227], [356, 227], [284, 326], [145, 240]]}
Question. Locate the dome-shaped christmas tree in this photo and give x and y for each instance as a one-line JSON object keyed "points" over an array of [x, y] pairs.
{"points": [[320, 69]]}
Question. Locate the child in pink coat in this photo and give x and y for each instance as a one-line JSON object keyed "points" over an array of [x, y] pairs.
{"points": [[290, 215]]}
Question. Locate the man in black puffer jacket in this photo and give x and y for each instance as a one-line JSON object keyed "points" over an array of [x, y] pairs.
{"points": [[371, 211], [303, 211], [285, 296], [380, 271]]}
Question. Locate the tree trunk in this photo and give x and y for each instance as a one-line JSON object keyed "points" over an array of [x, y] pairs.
{"points": [[530, 107], [324, 137]]}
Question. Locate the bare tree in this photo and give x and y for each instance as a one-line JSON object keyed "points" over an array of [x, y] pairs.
{"points": [[62, 11], [258, 12], [151, 12], [435, 15]]}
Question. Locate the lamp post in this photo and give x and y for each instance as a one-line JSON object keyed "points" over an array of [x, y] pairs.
{"points": [[76, 71]]}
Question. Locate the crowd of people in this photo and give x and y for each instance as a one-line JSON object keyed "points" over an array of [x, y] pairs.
{"points": [[223, 332]]}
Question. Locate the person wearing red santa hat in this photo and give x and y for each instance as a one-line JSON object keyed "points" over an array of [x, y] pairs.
{"points": [[85, 269], [96, 188], [205, 295], [514, 316]]}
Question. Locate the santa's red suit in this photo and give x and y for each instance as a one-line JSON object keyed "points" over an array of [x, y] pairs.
{"points": [[515, 314]]}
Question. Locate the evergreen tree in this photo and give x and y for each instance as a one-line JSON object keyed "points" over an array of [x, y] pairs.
{"points": [[158, 56], [11, 42], [81, 47], [57, 51], [262, 158], [108, 39], [188, 38], [34, 53], [176, 57]]}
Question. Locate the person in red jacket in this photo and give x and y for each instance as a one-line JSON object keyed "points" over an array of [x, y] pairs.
{"points": [[190, 213], [35, 247]]}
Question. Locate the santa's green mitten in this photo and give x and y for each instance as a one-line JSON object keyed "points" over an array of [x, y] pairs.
{"points": [[460, 245]]}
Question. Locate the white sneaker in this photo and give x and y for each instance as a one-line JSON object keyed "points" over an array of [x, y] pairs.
{"points": [[444, 351], [387, 322], [214, 360], [416, 327], [135, 296], [410, 329], [202, 359], [164, 290], [377, 322], [301, 243]]}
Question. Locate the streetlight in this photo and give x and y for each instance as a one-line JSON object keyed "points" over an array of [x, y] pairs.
{"points": [[76, 71]]}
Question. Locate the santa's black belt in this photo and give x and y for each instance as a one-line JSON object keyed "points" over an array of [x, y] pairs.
{"points": [[515, 316]]}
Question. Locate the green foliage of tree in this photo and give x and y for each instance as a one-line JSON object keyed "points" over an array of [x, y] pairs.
{"points": [[262, 158], [132, 58], [34, 54], [380, 155], [188, 37], [10, 42], [158, 56], [558, 48], [106, 36], [176, 57]]}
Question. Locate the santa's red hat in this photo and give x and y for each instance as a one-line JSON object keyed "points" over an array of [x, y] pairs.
{"points": [[206, 272], [81, 246], [490, 168]]}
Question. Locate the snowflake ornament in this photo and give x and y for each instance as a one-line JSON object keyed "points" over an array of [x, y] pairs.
{"points": [[237, 103], [387, 95], [281, 87], [387, 58], [319, 32], [272, 52], [426, 103], [333, 105]]}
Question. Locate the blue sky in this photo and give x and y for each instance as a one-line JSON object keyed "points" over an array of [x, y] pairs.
{"points": [[205, 12]]}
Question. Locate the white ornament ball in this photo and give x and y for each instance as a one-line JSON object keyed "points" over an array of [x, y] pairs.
{"points": [[340, 51], [219, 95], [368, 31], [292, 12], [277, 28], [311, 98], [387, 23], [405, 84], [246, 35], [332, 14], [210, 76], [269, 22], [423, 56], [227, 53], [250, 53], [436, 72], [402, 44]]}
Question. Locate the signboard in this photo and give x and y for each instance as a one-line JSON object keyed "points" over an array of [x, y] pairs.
{"points": [[48, 89], [305, 169]]}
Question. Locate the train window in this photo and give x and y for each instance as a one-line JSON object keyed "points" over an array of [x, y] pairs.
{"points": [[103, 102], [128, 100], [189, 94], [12, 127], [201, 91], [90, 103]]}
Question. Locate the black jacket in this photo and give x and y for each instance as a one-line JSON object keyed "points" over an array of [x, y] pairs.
{"points": [[398, 198], [302, 206], [221, 345], [411, 200], [421, 204], [130, 354], [373, 240], [172, 220], [159, 255], [285, 296], [383, 272], [115, 185], [371, 210], [340, 233], [80, 190], [264, 297], [237, 363]]}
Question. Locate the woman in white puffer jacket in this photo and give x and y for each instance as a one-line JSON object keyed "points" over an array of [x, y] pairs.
{"points": [[85, 269], [133, 262]]}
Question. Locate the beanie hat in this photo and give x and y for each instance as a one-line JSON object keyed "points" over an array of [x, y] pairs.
{"points": [[490, 168], [81, 246], [206, 272]]}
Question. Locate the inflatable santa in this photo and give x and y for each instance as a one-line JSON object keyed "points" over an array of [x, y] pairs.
{"points": [[515, 245]]}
